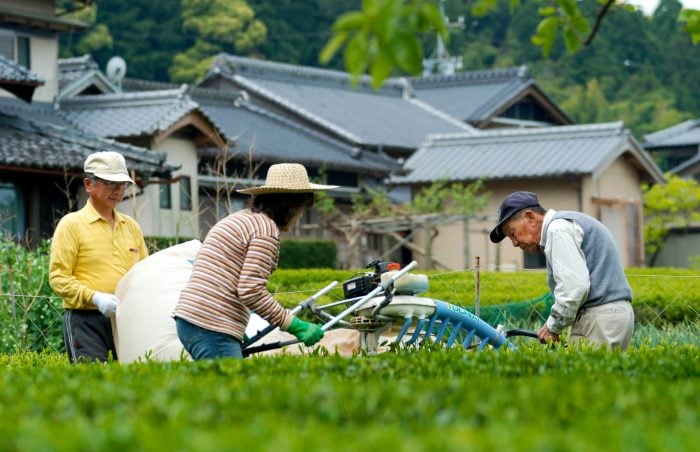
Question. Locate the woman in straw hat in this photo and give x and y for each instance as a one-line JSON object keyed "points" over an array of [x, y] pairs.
{"points": [[230, 273]]}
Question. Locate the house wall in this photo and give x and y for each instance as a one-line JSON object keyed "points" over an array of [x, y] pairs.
{"points": [[43, 48], [145, 208], [45, 7], [619, 185], [44, 63]]}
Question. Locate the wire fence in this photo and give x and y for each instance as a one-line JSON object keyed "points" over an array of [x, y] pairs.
{"points": [[661, 301]]}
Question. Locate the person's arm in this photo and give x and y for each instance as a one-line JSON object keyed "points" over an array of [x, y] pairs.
{"points": [[64, 251], [572, 280], [259, 262]]}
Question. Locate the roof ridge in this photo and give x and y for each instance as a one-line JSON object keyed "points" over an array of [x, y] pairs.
{"points": [[616, 127], [266, 67], [517, 72], [130, 96]]}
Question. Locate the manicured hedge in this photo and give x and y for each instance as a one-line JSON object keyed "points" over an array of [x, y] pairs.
{"points": [[156, 243], [661, 295], [307, 254]]}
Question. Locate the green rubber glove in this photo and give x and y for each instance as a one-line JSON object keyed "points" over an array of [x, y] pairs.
{"points": [[307, 333]]}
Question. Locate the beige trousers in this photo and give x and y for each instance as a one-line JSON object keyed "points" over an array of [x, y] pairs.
{"points": [[610, 324]]}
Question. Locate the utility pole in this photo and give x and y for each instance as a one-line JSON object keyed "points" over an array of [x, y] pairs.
{"points": [[440, 61]]}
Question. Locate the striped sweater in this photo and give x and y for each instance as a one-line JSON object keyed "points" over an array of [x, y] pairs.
{"points": [[230, 274]]}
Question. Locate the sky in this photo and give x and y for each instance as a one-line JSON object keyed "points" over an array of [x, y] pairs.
{"points": [[650, 5]]}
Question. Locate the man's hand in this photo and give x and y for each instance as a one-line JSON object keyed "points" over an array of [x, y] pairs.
{"points": [[307, 333], [106, 303], [545, 335]]}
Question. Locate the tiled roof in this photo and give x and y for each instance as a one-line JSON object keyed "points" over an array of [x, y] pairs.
{"points": [[690, 167], [36, 111], [359, 115], [686, 133], [11, 72], [36, 145], [525, 153], [71, 68], [17, 79], [128, 114], [475, 96], [274, 138]]}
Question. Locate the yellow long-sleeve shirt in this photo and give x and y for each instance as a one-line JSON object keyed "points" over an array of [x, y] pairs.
{"points": [[88, 255]]}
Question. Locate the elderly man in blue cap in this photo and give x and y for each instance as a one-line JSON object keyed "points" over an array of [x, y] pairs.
{"points": [[584, 270]]}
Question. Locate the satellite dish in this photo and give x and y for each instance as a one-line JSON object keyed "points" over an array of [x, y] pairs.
{"points": [[116, 70]]}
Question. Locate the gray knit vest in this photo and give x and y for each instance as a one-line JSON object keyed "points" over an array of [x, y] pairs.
{"points": [[608, 281]]}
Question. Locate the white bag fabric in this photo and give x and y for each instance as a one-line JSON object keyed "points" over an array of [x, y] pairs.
{"points": [[143, 327]]}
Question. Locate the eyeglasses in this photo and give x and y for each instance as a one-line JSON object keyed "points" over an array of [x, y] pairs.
{"points": [[109, 184]]}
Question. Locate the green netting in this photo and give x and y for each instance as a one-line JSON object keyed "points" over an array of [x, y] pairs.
{"points": [[517, 312]]}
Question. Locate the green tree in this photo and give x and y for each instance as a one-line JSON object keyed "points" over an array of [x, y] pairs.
{"points": [[95, 39], [218, 26], [674, 204], [383, 36]]}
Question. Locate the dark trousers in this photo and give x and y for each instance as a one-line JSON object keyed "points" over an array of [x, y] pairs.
{"points": [[88, 336]]}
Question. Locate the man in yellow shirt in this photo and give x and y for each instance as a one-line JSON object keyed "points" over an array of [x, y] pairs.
{"points": [[91, 250]]}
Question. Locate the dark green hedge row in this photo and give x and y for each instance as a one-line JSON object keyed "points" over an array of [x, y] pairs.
{"points": [[293, 253], [157, 243], [307, 254]]}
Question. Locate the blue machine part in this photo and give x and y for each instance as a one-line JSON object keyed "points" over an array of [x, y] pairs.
{"points": [[453, 323]]}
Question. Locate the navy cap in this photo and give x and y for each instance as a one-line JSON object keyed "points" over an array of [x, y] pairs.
{"points": [[512, 204]]}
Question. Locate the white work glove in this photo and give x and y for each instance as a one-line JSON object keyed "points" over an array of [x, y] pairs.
{"points": [[106, 303]]}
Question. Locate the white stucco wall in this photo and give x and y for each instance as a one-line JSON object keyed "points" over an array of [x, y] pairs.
{"points": [[44, 63], [145, 208], [619, 181]]}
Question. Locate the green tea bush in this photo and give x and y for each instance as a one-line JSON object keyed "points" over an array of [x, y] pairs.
{"points": [[451, 400], [30, 314]]}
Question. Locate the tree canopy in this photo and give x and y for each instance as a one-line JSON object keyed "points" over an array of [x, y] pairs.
{"points": [[640, 69]]}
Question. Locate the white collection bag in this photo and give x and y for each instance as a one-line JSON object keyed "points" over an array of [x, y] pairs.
{"points": [[143, 326]]}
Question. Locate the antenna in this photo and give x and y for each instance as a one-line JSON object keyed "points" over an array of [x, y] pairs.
{"points": [[440, 61], [116, 70]]}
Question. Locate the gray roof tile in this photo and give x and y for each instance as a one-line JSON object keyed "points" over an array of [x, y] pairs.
{"points": [[524, 153], [127, 114], [475, 95], [31, 144], [687, 133], [274, 138], [359, 114], [11, 72]]}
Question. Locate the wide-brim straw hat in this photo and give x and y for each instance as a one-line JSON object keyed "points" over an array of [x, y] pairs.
{"points": [[286, 178]]}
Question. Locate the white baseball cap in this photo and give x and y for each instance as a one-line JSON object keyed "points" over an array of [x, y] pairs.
{"points": [[108, 165]]}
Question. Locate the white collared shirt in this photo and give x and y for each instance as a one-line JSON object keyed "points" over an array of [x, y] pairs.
{"points": [[568, 263]]}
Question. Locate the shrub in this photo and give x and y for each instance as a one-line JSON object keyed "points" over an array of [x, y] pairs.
{"points": [[157, 243], [307, 254], [30, 314]]}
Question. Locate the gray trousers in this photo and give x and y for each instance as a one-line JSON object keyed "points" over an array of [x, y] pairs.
{"points": [[610, 324], [88, 336]]}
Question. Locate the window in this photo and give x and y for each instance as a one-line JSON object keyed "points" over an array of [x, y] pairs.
{"points": [[15, 47], [23, 51], [7, 44], [166, 201], [185, 193], [11, 210]]}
